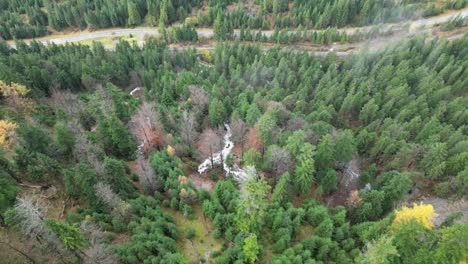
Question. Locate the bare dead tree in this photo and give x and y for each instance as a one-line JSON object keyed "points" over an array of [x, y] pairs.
{"points": [[105, 193], [91, 231], [69, 102], [211, 141], [146, 127], [106, 104], [296, 123], [85, 150], [98, 252], [239, 133], [200, 98], [280, 160], [29, 217], [147, 176], [188, 128]]}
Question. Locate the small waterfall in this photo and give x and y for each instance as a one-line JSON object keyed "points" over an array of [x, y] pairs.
{"points": [[235, 171]]}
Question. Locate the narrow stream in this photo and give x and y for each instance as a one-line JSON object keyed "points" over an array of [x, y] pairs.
{"points": [[235, 171]]}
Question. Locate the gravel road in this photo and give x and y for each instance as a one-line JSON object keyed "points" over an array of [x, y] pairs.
{"points": [[341, 50]]}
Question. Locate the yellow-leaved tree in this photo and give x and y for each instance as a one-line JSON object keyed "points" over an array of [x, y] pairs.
{"points": [[7, 130], [422, 213], [170, 150], [15, 96]]}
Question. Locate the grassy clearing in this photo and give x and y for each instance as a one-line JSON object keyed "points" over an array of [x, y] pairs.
{"points": [[111, 41], [203, 243]]}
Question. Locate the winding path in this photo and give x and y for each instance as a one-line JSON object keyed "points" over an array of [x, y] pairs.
{"points": [[416, 27]]}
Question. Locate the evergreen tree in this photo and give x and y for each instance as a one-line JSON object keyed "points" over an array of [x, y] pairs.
{"points": [[219, 31], [305, 169], [216, 112], [115, 137], [134, 17], [282, 189]]}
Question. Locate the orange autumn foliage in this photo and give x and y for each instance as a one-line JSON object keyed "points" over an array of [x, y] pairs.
{"points": [[253, 139]]}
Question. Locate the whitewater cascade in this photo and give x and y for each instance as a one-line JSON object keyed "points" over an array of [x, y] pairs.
{"points": [[235, 171], [142, 145], [137, 89]]}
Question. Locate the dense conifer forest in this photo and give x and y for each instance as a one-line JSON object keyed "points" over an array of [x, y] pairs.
{"points": [[33, 18], [240, 154]]}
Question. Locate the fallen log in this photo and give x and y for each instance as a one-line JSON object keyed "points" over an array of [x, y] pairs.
{"points": [[41, 187]]}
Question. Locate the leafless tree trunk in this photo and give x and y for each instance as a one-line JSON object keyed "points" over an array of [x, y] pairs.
{"points": [[85, 150], [188, 128], [69, 102], [148, 178], [111, 199], [221, 142], [145, 125], [280, 161], [29, 217], [211, 156], [199, 97], [239, 134], [211, 141], [97, 252]]}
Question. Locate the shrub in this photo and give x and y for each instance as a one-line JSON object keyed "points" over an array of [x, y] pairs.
{"points": [[190, 233]]}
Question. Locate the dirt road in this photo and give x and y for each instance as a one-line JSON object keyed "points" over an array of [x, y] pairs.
{"points": [[416, 27]]}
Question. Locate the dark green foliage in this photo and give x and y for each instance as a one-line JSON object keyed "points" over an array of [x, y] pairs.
{"points": [[86, 13], [8, 193], [222, 207], [306, 14], [65, 139], [399, 111], [190, 233], [124, 104], [114, 172], [115, 138], [80, 182], [167, 168], [284, 224], [34, 139], [183, 33], [216, 113], [331, 240], [154, 235], [370, 208], [283, 189], [35, 165], [70, 235], [395, 186]]}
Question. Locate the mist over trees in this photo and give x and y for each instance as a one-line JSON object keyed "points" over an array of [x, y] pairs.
{"points": [[127, 166], [267, 14]]}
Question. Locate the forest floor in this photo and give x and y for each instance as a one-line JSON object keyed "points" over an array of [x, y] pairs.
{"points": [[203, 244], [13, 248], [443, 207], [348, 182], [201, 181]]}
